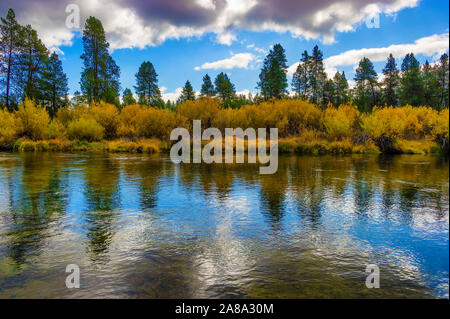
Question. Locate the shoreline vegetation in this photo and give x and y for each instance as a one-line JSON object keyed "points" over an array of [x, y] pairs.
{"points": [[303, 127]]}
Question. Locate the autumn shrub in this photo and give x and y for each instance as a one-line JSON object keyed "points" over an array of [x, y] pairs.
{"points": [[418, 121], [416, 147], [384, 126], [128, 120], [8, 128], [153, 122], [120, 146], [342, 122], [55, 130], [85, 129], [69, 114], [204, 109], [440, 130], [107, 115], [32, 120], [226, 118], [291, 117]]}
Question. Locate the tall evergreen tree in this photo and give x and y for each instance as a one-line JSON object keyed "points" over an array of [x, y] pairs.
{"points": [[317, 76], [442, 75], [207, 87], [412, 87], [224, 88], [9, 48], [32, 60], [100, 75], [53, 85], [300, 79], [187, 93], [341, 89], [366, 95], [329, 93], [272, 79], [127, 98], [147, 84], [391, 82], [430, 86]]}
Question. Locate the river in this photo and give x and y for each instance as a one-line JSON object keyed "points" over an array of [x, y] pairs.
{"points": [[139, 226]]}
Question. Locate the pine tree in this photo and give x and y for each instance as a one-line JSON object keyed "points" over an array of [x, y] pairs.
{"points": [[100, 75], [317, 75], [366, 95], [32, 60], [391, 82], [53, 85], [430, 86], [412, 87], [329, 93], [127, 98], [341, 89], [442, 75], [300, 79], [147, 84], [224, 88], [207, 87], [187, 93], [10, 43], [272, 79]]}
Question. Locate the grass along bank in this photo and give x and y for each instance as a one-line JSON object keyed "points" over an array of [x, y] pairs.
{"points": [[303, 127]]}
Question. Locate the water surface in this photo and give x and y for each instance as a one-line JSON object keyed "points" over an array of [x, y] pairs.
{"points": [[143, 227]]}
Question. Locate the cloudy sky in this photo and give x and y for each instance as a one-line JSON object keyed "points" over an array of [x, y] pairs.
{"points": [[185, 39]]}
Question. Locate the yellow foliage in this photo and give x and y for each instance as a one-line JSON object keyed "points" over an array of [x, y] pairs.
{"points": [[417, 147], [341, 122], [302, 127], [32, 120], [441, 127], [388, 122], [128, 120], [107, 116], [8, 128], [204, 109], [55, 130], [153, 122], [85, 129]]}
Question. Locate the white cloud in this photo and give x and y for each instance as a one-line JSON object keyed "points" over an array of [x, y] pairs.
{"points": [[226, 38], [239, 60], [170, 96], [434, 45]]}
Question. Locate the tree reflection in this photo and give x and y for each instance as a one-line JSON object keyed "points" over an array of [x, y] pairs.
{"points": [[37, 202], [101, 174]]}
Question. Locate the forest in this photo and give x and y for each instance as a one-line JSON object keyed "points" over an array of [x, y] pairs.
{"points": [[404, 110]]}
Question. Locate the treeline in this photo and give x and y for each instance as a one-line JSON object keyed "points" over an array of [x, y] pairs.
{"points": [[28, 70]]}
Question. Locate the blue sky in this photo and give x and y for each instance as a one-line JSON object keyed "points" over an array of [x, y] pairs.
{"points": [[179, 39]]}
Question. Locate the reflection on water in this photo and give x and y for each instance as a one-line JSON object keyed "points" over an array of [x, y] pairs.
{"points": [[142, 227]]}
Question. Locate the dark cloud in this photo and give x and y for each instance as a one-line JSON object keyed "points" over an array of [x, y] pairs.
{"points": [[131, 23]]}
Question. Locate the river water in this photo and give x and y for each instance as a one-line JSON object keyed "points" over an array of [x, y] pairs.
{"points": [[139, 226]]}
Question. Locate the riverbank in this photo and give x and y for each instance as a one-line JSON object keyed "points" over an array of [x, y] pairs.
{"points": [[293, 145], [303, 128]]}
